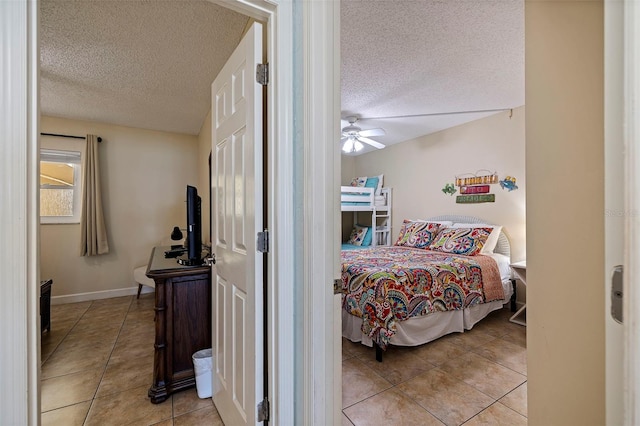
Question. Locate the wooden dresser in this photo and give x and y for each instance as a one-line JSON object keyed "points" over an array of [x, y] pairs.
{"points": [[45, 305], [182, 321]]}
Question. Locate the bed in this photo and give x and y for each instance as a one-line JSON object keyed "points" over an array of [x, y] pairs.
{"points": [[371, 207], [390, 297]]}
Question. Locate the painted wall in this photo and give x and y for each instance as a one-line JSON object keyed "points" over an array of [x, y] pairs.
{"points": [[348, 171], [204, 149], [144, 176], [348, 168], [565, 212], [417, 170]]}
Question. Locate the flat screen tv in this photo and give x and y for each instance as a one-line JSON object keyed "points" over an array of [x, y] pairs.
{"points": [[193, 243]]}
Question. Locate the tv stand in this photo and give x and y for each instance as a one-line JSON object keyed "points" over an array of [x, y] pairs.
{"points": [[182, 321]]}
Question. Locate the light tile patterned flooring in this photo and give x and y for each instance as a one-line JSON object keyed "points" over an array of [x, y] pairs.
{"points": [[478, 377], [97, 364]]}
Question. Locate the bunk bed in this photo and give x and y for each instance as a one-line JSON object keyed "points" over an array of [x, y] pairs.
{"points": [[370, 209], [412, 293]]}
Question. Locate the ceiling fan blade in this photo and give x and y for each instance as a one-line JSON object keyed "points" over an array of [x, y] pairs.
{"points": [[372, 132], [371, 142], [344, 138]]}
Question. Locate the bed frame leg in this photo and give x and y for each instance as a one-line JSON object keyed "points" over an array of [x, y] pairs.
{"points": [[378, 352]]}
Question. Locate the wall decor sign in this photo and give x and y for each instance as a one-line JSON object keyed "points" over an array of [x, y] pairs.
{"points": [[468, 179], [476, 198], [475, 189]]}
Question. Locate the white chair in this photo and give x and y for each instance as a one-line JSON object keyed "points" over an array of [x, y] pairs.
{"points": [[140, 273], [140, 276]]}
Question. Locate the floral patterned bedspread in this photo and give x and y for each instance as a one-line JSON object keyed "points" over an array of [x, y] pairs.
{"points": [[384, 285]]}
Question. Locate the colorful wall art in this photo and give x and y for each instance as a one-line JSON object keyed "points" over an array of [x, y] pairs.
{"points": [[509, 183], [474, 199], [450, 189], [476, 187]]}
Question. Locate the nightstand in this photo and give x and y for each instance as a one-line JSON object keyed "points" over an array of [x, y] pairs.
{"points": [[519, 270]]}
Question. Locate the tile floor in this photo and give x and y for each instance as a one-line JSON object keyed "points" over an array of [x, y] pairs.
{"points": [[97, 364], [474, 378]]}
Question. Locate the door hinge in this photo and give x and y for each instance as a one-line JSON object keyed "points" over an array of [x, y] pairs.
{"points": [[262, 244], [337, 286], [262, 74], [263, 410]]}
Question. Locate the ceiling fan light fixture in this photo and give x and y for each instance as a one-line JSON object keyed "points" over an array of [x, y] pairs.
{"points": [[352, 145], [354, 137], [348, 145]]}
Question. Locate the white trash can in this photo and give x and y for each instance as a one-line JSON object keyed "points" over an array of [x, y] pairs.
{"points": [[202, 367]]}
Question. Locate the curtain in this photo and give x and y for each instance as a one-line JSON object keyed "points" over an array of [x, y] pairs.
{"points": [[94, 233]]}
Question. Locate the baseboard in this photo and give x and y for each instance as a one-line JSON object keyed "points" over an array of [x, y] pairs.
{"points": [[97, 295]]}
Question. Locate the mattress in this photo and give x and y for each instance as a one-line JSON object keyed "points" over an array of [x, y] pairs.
{"points": [[378, 201], [356, 199], [347, 246], [419, 330]]}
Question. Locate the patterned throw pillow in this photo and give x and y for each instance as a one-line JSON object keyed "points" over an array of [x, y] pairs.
{"points": [[368, 238], [492, 241], [417, 234], [357, 235], [359, 181], [464, 241]]}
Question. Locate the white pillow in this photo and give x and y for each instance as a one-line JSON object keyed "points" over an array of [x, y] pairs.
{"points": [[444, 223], [492, 240]]}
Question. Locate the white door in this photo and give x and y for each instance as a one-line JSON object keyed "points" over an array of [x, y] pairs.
{"points": [[237, 201], [614, 204]]}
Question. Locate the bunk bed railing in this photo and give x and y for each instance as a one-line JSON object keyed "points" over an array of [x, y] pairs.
{"points": [[362, 200], [356, 194]]}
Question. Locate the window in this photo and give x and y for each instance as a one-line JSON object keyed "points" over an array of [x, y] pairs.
{"points": [[60, 189]]}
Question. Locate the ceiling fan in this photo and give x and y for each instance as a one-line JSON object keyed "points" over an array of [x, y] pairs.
{"points": [[353, 136]]}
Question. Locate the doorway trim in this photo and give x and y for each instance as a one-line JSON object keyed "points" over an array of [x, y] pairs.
{"points": [[19, 224], [322, 357], [631, 313], [19, 263]]}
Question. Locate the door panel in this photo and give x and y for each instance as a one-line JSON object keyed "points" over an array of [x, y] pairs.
{"points": [[219, 336], [237, 206], [614, 204]]}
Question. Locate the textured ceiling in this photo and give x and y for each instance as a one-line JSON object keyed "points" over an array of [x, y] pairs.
{"points": [[146, 64], [150, 63], [416, 57]]}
